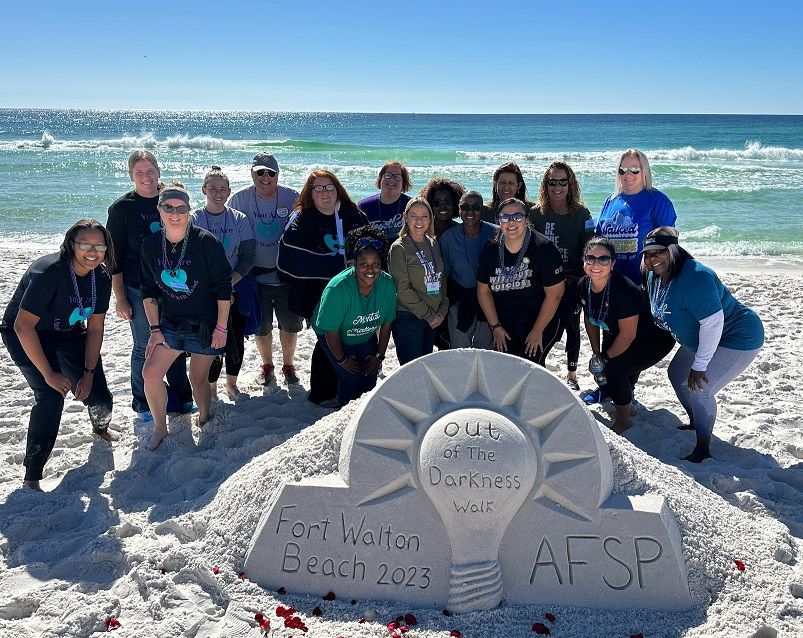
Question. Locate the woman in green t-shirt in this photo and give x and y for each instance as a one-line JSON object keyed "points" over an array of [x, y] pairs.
{"points": [[355, 313]]}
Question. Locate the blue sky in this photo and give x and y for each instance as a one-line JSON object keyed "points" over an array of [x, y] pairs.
{"points": [[406, 56]]}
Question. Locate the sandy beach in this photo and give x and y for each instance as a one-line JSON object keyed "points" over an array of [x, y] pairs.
{"points": [[157, 540]]}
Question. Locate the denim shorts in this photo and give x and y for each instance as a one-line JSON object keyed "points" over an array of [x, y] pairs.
{"points": [[187, 339]]}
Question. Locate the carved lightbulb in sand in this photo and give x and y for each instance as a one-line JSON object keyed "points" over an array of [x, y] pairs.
{"points": [[477, 467]]}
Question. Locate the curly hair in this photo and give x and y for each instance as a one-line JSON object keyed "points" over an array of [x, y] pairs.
{"points": [[573, 199], [455, 189], [373, 235]]}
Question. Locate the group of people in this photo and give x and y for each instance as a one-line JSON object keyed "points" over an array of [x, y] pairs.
{"points": [[513, 274]]}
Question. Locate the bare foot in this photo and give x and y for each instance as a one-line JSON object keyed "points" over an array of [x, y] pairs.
{"points": [[107, 435], [232, 391], [156, 439], [200, 421], [619, 428], [633, 411], [34, 485], [213, 388]]}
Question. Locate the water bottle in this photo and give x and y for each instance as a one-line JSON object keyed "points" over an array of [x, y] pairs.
{"points": [[598, 369]]}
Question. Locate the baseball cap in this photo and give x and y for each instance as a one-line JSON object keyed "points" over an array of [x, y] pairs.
{"points": [[264, 160]]}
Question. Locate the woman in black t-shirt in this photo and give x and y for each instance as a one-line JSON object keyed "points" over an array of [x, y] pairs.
{"points": [[53, 329], [616, 308], [187, 269], [519, 286]]}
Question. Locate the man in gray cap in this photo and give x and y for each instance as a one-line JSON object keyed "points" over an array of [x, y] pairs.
{"points": [[269, 206]]}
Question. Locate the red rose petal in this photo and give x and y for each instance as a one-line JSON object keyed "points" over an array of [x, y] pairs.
{"points": [[550, 617], [216, 570], [410, 619], [281, 591], [241, 575], [739, 565], [393, 625], [265, 624], [455, 633], [361, 621], [112, 623], [404, 629], [329, 596], [541, 628], [259, 616], [317, 611]]}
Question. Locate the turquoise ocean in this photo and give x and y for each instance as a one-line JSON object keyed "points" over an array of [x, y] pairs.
{"points": [[736, 180]]}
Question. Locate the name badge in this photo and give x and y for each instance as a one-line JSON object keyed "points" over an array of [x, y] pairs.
{"points": [[282, 212], [433, 284]]}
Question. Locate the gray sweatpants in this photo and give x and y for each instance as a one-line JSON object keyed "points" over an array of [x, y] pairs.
{"points": [[724, 367]]}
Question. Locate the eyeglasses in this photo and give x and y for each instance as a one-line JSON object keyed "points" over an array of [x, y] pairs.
{"points": [[504, 218], [635, 170], [394, 176], [602, 260], [446, 202], [269, 171], [471, 208], [554, 182], [97, 247], [367, 242], [320, 188], [181, 209]]}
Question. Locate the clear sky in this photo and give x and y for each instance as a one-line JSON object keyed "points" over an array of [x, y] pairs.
{"points": [[554, 56]]}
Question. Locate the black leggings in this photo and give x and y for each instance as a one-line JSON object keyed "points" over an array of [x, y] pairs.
{"points": [[569, 314], [622, 372], [65, 355], [235, 347], [518, 332]]}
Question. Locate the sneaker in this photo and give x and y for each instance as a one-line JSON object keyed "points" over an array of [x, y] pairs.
{"points": [[289, 372], [573, 385], [266, 376], [145, 417], [330, 403]]}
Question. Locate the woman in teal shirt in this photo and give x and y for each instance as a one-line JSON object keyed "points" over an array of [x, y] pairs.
{"points": [[354, 316], [719, 337]]}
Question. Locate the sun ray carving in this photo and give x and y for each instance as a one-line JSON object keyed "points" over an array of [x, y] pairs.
{"points": [[410, 415], [399, 486], [443, 392], [394, 454]]}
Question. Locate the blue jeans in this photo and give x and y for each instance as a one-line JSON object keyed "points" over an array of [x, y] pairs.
{"points": [[179, 384], [413, 337], [352, 386]]}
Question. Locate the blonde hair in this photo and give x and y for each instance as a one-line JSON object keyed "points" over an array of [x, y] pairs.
{"points": [[418, 201], [645, 170]]}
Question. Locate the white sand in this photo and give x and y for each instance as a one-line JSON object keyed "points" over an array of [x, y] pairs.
{"points": [[132, 534]]}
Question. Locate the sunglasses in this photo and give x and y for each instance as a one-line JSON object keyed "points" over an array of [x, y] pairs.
{"points": [[635, 170], [602, 260], [555, 182], [367, 242], [511, 217], [446, 202], [320, 188], [269, 171], [471, 208], [98, 247], [394, 176], [181, 209]]}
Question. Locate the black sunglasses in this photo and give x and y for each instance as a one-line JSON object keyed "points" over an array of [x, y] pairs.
{"points": [[269, 171], [602, 260], [471, 208], [563, 181]]}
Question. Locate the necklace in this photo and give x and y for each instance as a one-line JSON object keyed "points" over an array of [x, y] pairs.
{"points": [[507, 272], [221, 229], [173, 269], [275, 206], [598, 318], [84, 312], [658, 296]]}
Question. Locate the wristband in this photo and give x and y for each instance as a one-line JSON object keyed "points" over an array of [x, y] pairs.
{"points": [[219, 329], [92, 371], [155, 328], [495, 326], [340, 362]]}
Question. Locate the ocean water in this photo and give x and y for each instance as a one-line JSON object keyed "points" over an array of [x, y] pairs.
{"points": [[736, 180]]}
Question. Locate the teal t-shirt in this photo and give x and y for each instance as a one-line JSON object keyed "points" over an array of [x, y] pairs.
{"points": [[343, 309]]}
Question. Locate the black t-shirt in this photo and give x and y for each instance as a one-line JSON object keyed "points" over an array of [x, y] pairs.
{"points": [[624, 300], [569, 233], [518, 298], [191, 289], [132, 218], [46, 290]]}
